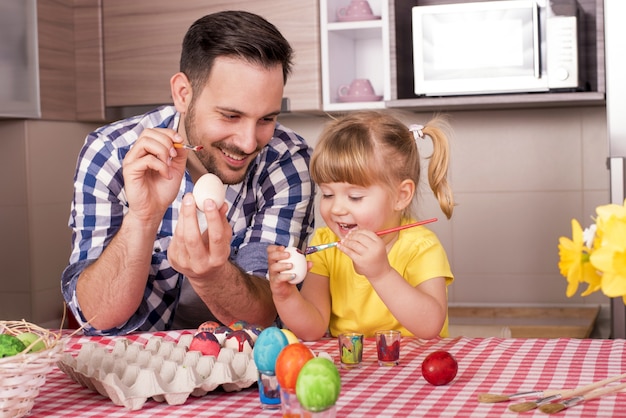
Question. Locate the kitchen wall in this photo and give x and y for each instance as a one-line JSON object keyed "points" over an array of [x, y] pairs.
{"points": [[37, 160], [519, 176]]}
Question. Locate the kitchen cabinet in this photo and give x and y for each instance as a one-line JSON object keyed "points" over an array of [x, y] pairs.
{"points": [[142, 44], [355, 51], [55, 30], [19, 75], [70, 60]]}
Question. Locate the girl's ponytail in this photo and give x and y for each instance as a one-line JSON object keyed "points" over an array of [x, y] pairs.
{"points": [[438, 164]]}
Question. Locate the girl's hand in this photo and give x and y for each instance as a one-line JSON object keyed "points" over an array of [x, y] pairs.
{"points": [[279, 281], [368, 253]]}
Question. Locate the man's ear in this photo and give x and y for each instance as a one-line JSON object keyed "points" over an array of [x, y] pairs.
{"points": [[182, 93], [405, 193]]}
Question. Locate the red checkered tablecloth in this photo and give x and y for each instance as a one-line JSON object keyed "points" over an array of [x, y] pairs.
{"points": [[486, 365]]}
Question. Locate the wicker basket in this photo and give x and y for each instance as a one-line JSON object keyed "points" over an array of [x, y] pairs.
{"points": [[22, 375]]}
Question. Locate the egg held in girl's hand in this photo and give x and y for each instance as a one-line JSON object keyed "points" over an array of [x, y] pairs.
{"points": [[209, 186], [298, 260]]}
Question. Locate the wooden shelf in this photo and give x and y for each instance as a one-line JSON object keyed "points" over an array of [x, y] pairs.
{"points": [[529, 322], [500, 101]]}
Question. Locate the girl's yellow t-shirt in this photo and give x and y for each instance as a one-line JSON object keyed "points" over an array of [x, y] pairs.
{"points": [[417, 255]]}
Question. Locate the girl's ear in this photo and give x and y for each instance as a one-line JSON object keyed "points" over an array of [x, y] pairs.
{"points": [[182, 93], [405, 193]]}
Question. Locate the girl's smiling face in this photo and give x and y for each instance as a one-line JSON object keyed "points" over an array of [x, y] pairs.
{"points": [[345, 206]]}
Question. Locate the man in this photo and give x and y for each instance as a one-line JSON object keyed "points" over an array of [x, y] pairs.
{"points": [[139, 259]]}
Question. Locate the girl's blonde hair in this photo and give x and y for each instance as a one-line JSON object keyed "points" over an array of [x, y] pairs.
{"points": [[372, 147]]}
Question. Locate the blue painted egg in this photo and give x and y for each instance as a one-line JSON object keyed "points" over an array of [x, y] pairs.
{"points": [[270, 343]]}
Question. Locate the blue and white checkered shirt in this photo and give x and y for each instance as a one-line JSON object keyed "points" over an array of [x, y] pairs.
{"points": [[274, 204]]}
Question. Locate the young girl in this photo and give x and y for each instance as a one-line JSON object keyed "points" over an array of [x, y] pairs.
{"points": [[367, 167]]}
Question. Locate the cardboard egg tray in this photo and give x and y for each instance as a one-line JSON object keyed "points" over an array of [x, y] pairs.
{"points": [[131, 373]]}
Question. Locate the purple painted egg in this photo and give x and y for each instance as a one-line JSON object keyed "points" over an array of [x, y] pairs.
{"points": [[221, 333]]}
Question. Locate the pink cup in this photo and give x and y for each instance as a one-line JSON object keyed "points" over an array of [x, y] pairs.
{"points": [[360, 87], [356, 9]]}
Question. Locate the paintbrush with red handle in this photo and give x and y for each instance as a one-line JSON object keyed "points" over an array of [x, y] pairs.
{"points": [[316, 248]]}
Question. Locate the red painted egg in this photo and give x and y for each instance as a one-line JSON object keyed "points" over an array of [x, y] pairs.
{"points": [[206, 343], [439, 368]]}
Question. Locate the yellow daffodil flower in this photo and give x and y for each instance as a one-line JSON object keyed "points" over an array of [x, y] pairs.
{"points": [[597, 256], [574, 263], [610, 256]]}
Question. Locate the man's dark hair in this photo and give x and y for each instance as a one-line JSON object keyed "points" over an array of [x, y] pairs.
{"points": [[236, 34]]}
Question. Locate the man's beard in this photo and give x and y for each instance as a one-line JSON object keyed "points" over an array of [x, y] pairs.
{"points": [[208, 160]]}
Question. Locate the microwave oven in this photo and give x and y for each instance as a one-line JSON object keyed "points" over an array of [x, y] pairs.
{"points": [[504, 46]]}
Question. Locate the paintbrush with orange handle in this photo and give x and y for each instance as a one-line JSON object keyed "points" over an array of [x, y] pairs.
{"points": [[189, 147]]}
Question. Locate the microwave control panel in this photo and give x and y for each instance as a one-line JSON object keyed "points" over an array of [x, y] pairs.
{"points": [[562, 46]]}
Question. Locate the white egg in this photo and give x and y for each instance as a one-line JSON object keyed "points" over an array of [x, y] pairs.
{"points": [[299, 268], [209, 186]]}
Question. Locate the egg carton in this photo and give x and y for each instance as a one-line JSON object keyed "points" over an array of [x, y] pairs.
{"points": [[131, 373]]}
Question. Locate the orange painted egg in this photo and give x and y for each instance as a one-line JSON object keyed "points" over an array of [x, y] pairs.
{"points": [[289, 362]]}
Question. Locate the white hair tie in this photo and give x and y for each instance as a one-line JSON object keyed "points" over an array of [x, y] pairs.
{"points": [[417, 131]]}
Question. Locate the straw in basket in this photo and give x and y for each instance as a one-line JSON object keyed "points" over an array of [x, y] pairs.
{"points": [[22, 375]]}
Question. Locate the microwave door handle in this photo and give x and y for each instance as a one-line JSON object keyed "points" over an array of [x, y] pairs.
{"points": [[536, 41]]}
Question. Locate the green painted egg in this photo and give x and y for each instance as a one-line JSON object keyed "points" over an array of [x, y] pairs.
{"points": [[318, 384]]}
